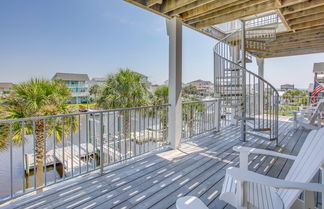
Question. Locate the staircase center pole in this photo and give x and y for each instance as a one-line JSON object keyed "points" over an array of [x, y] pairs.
{"points": [[243, 64]]}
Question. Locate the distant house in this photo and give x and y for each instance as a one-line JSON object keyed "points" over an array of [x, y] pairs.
{"points": [[286, 87], [204, 87], [79, 85], [5, 89], [98, 81]]}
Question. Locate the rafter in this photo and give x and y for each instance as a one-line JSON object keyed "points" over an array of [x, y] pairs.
{"points": [[306, 19], [291, 2], [284, 53], [244, 4], [281, 42], [301, 43], [302, 6], [304, 13], [150, 3], [283, 19], [308, 24], [188, 7], [259, 8], [170, 5], [207, 8]]}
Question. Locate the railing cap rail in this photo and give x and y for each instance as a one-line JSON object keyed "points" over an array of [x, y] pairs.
{"points": [[79, 113]]}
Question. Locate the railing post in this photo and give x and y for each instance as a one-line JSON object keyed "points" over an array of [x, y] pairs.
{"points": [[260, 63], [174, 29], [243, 119], [101, 143], [217, 114]]}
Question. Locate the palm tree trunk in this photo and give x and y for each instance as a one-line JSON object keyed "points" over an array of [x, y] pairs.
{"points": [[39, 150], [190, 122], [126, 130]]}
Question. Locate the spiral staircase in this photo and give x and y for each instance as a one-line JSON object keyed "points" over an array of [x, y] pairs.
{"points": [[247, 97]]}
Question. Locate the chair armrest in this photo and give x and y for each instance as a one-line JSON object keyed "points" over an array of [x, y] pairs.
{"points": [[252, 150], [249, 176]]}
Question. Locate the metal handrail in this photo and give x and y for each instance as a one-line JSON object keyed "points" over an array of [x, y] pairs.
{"points": [[80, 142], [229, 83], [80, 113]]}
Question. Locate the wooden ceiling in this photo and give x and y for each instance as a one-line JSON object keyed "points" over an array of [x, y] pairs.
{"points": [[304, 19]]}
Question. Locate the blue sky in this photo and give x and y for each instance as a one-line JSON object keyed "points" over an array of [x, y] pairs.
{"points": [[39, 38]]}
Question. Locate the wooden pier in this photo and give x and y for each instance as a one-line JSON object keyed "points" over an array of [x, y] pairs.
{"points": [[71, 157]]}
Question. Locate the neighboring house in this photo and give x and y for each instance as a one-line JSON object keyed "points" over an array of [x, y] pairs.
{"points": [[5, 88], [79, 84], [286, 87], [204, 87], [98, 81], [144, 78]]}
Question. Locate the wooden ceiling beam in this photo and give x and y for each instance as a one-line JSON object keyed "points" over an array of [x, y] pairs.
{"points": [[295, 40], [219, 12], [294, 44], [207, 8], [150, 3], [309, 24], [283, 19], [170, 5], [188, 7], [304, 13], [256, 9], [291, 2], [292, 52], [302, 6], [305, 32], [306, 19]]}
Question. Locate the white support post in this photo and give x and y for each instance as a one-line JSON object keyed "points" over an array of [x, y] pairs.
{"points": [[260, 62], [174, 29]]}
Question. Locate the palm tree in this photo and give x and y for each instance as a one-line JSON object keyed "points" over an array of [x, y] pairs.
{"points": [[161, 97], [35, 98], [94, 91], [125, 89]]}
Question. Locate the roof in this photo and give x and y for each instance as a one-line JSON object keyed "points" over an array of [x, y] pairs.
{"points": [[142, 75], [6, 85], [103, 79], [303, 20], [200, 81], [287, 84], [71, 76]]}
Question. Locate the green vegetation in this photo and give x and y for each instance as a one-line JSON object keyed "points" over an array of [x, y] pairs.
{"points": [[190, 90], [36, 98], [292, 100], [94, 92], [124, 90]]}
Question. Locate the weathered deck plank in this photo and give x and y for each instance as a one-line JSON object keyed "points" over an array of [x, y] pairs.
{"points": [[158, 179]]}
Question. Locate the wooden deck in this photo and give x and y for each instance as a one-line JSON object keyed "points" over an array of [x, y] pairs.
{"points": [[157, 179]]}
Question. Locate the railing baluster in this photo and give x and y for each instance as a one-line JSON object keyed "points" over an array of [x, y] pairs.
{"points": [[45, 164], [63, 163], [11, 166], [87, 140], [34, 137], [71, 134], [79, 142], [101, 143], [23, 156], [54, 147]]}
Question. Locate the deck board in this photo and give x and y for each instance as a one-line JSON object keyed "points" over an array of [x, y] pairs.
{"points": [[157, 179]]}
